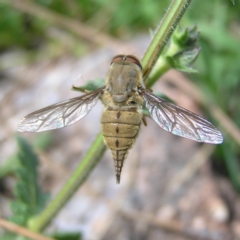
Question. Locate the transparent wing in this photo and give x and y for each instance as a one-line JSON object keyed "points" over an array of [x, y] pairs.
{"points": [[61, 114], [180, 121]]}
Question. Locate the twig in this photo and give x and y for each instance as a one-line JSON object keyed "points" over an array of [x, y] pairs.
{"points": [[21, 230], [170, 225]]}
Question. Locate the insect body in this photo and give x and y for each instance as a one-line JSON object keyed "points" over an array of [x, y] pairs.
{"points": [[122, 118], [123, 97]]}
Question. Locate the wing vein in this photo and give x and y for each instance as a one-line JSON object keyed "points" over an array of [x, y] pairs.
{"points": [[180, 121], [60, 114]]}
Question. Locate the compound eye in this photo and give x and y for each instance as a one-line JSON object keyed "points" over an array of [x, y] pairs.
{"points": [[127, 58], [133, 59], [118, 58]]}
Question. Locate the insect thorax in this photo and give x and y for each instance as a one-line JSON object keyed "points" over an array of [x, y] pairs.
{"points": [[123, 80]]}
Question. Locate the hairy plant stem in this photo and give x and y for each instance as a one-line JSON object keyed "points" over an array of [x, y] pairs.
{"points": [[163, 33], [92, 157]]}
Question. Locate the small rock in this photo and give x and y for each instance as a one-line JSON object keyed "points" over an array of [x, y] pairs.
{"points": [[199, 223], [166, 212], [218, 210]]}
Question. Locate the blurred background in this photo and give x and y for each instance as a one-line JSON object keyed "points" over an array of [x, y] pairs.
{"points": [[171, 187]]}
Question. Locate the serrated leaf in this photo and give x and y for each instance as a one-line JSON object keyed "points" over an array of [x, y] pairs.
{"points": [[19, 209], [9, 166], [185, 38], [42, 141], [29, 199], [182, 60]]}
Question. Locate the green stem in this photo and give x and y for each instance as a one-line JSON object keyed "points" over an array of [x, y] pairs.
{"points": [[163, 34], [164, 31], [78, 177], [159, 69]]}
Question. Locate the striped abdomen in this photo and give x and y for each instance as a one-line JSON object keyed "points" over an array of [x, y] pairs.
{"points": [[120, 129]]}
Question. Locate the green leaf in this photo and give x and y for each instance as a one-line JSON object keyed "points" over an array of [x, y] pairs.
{"points": [[67, 236], [9, 166], [12, 236], [42, 141], [29, 199], [183, 49], [8, 236], [90, 86], [179, 54], [182, 60], [186, 37]]}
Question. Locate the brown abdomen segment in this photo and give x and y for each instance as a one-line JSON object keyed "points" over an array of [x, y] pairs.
{"points": [[120, 129]]}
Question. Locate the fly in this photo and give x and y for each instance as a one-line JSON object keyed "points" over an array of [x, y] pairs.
{"points": [[123, 96]]}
